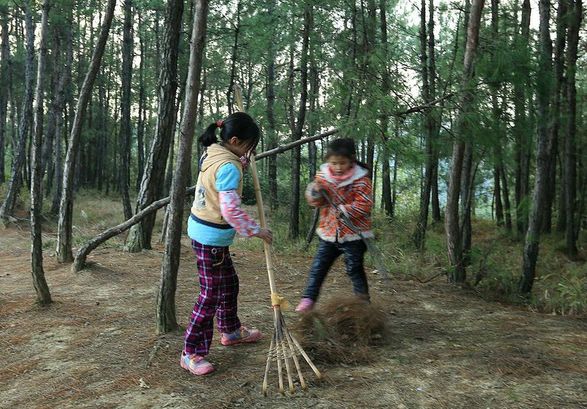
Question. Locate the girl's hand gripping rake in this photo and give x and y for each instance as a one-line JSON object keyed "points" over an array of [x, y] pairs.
{"points": [[284, 347]]}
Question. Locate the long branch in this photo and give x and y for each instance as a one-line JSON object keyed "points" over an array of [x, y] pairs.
{"points": [[80, 259]]}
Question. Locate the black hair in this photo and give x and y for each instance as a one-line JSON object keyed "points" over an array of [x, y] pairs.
{"points": [[237, 124], [345, 147]]}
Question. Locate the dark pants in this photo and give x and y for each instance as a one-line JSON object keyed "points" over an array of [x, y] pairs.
{"points": [[354, 252]]}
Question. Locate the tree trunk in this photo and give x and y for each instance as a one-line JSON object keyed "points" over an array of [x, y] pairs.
{"points": [[386, 200], [125, 100], [39, 282], [575, 12], [49, 140], [434, 113], [229, 99], [555, 119], [419, 235], [4, 84], [313, 124], [19, 154], [467, 196], [154, 175], [271, 131], [294, 225], [544, 150], [497, 192], [67, 96], [506, 197], [453, 230], [166, 319], [142, 111], [64, 226], [521, 128]]}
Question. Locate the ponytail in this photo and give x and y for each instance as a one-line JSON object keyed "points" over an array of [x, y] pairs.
{"points": [[209, 136], [236, 124]]}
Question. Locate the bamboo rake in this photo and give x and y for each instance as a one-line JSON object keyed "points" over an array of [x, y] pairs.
{"points": [[284, 348]]}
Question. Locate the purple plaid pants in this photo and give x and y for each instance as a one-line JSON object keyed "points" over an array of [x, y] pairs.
{"points": [[218, 297]]}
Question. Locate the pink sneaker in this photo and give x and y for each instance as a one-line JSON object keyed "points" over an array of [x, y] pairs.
{"points": [[196, 364], [305, 305], [241, 336]]}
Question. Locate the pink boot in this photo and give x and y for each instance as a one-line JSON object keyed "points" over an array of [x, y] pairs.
{"points": [[305, 305]]}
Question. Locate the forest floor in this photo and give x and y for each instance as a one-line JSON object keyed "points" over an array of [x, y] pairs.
{"points": [[95, 346]]}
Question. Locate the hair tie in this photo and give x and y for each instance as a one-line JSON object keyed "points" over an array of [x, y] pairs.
{"points": [[219, 123]]}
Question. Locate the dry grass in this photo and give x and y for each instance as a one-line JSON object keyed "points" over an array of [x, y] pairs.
{"points": [[343, 330]]}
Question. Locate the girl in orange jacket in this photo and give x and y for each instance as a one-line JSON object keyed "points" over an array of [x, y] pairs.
{"points": [[347, 185]]}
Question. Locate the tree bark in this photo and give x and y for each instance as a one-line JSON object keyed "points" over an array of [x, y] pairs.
{"points": [[453, 229], [4, 84], [233, 58], [125, 126], [47, 168], [435, 114], [506, 197], [386, 199], [142, 110], [555, 119], [426, 186], [544, 151], [294, 225], [575, 10], [154, 174], [39, 282], [19, 155], [64, 226], [523, 140], [166, 319], [467, 196], [271, 131], [67, 96]]}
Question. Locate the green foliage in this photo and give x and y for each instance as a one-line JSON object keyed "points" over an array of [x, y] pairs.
{"points": [[563, 292]]}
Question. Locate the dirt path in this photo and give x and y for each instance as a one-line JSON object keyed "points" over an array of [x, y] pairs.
{"points": [[447, 348]]}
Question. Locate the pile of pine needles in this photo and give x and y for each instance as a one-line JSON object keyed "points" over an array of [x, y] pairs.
{"points": [[343, 331]]}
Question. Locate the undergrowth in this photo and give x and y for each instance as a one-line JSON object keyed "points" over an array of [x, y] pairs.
{"points": [[494, 272]]}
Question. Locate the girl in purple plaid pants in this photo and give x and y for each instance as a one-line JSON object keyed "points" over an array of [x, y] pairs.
{"points": [[215, 217]]}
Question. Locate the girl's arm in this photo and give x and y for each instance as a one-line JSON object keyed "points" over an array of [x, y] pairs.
{"points": [[313, 195], [362, 202], [227, 182], [230, 208]]}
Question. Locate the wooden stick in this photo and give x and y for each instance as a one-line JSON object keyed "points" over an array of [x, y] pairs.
{"points": [[306, 357], [278, 334], [285, 356], [266, 376], [294, 356], [80, 259]]}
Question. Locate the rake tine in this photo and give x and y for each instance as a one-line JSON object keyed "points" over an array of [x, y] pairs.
{"points": [[306, 357], [287, 367], [294, 356], [278, 334], [266, 377], [285, 354]]}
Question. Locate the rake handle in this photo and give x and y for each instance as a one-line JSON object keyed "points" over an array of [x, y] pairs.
{"points": [[263, 223], [238, 101]]}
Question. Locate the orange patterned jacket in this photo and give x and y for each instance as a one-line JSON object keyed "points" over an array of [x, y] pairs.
{"points": [[352, 196]]}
